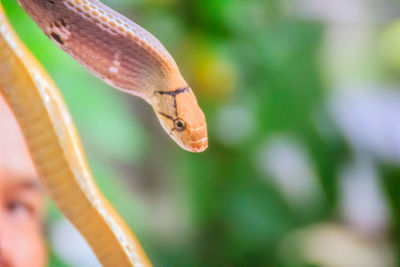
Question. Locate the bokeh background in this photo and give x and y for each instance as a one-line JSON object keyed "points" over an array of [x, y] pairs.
{"points": [[302, 99]]}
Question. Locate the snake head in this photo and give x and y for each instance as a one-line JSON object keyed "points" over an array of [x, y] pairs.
{"points": [[182, 118]]}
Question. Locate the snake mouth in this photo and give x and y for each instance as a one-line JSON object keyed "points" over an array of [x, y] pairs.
{"points": [[199, 145]]}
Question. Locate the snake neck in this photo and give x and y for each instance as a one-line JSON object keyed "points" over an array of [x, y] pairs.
{"points": [[115, 49]]}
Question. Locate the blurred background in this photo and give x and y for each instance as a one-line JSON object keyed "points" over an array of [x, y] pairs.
{"points": [[302, 99]]}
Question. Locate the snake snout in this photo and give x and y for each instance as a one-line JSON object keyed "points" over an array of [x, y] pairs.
{"points": [[200, 146], [198, 141]]}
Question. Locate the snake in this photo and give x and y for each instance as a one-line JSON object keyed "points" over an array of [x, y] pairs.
{"points": [[125, 56]]}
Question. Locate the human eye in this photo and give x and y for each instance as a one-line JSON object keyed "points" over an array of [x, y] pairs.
{"points": [[18, 207]]}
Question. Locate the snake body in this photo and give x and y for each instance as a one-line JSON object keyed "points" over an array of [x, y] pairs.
{"points": [[127, 57], [57, 155]]}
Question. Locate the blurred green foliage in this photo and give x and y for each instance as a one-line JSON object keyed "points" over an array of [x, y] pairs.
{"points": [[216, 207]]}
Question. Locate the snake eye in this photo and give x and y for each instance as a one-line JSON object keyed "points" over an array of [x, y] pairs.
{"points": [[180, 125]]}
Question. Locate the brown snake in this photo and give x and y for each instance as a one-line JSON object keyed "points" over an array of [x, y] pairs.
{"points": [[125, 56]]}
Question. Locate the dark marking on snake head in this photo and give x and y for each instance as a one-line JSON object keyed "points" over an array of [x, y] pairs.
{"points": [[174, 94], [165, 115], [52, 2], [57, 37]]}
